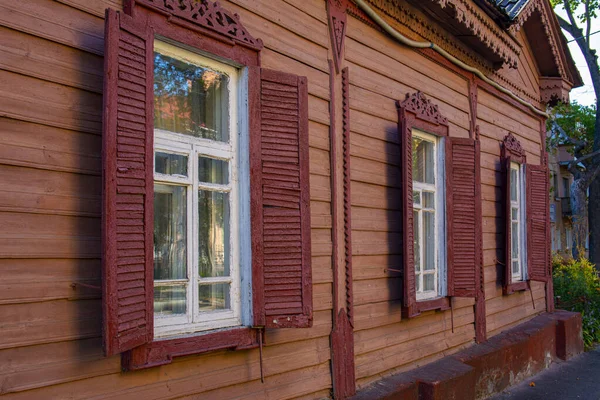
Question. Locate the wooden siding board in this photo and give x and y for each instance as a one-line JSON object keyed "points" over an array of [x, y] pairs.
{"points": [[67, 25]]}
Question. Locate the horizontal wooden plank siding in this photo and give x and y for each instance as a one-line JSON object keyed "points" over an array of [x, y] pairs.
{"points": [[51, 72], [51, 80]]}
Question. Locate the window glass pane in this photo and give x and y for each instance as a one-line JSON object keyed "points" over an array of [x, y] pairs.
{"points": [[513, 184], [170, 299], [214, 297], [213, 233], [428, 282], [416, 198], [429, 240], [417, 241], [428, 199], [418, 282], [170, 164], [190, 99], [514, 235], [213, 171], [515, 214], [515, 267], [423, 163], [170, 232]]}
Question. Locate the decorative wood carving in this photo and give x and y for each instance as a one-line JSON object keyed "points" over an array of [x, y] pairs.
{"points": [[423, 108], [412, 21], [512, 147], [347, 207], [337, 17], [554, 90], [207, 14], [472, 18], [550, 29]]}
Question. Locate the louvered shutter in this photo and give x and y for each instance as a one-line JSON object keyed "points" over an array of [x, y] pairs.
{"points": [[537, 222], [280, 201], [128, 191], [409, 291], [463, 199]]}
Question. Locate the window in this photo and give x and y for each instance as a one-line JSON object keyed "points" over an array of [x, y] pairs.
{"points": [[197, 204], [428, 215], [527, 215], [566, 187], [517, 218], [195, 255], [441, 204], [568, 238]]}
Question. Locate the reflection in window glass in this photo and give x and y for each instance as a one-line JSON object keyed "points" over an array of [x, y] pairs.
{"points": [[170, 232], [213, 171], [213, 238], [213, 297], [423, 160], [425, 229], [170, 164], [170, 299], [190, 99]]}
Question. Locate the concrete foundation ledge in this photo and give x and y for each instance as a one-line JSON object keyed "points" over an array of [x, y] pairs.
{"points": [[490, 367]]}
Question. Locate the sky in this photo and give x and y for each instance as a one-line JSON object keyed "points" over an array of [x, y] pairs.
{"points": [[585, 94]]}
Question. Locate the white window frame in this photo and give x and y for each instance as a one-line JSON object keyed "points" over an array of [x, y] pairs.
{"points": [[235, 153], [520, 205], [439, 188]]}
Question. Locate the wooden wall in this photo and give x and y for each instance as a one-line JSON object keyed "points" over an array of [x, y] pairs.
{"points": [[51, 70], [381, 73], [50, 186]]}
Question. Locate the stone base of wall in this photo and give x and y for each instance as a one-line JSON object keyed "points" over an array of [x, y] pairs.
{"points": [[490, 367]]}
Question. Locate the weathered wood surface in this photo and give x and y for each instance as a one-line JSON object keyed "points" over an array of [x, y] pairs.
{"points": [[50, 188]]}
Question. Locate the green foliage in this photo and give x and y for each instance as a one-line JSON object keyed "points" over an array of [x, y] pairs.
{"points": [[577, 121], [593, 7], [577, 288]]}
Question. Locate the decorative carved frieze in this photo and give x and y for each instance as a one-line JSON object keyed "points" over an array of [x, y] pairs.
{"points": [[336, 14], [207, 14], [545, 14], [512, 147], [420, 105], [554, 90], [422, 28]]}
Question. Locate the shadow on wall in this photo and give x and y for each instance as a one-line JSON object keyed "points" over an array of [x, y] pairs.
{"points": [[393, 214]]}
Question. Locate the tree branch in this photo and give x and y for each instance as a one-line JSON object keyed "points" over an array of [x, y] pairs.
{"points": [[589, 22], [566, 26], [570, 15]]}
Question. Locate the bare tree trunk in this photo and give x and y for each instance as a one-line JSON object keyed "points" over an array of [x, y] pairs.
{"points": [[579, 219], [594, 221]]}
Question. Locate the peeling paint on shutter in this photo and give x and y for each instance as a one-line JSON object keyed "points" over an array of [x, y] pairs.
{"points": [[537, 222], [281, 203], [463, 199], [128, 191]]}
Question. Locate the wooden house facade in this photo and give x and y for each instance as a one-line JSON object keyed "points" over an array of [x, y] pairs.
{"points": [[363, 166]]}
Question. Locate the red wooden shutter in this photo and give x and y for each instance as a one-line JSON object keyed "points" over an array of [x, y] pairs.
{"points": [[409, 290], [463, 199], [128, 186], [537, 222], [280, 200]]}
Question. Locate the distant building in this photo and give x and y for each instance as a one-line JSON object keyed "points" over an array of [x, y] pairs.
{"points": [[560, 201]]}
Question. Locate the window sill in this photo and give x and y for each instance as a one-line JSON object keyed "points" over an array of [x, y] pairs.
{"points": [[437, 304], [516, 287], [162, 351]]}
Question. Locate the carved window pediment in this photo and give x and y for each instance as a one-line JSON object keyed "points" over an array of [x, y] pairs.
{"points": [[511, 147], [208, 15], [423, 108]]}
